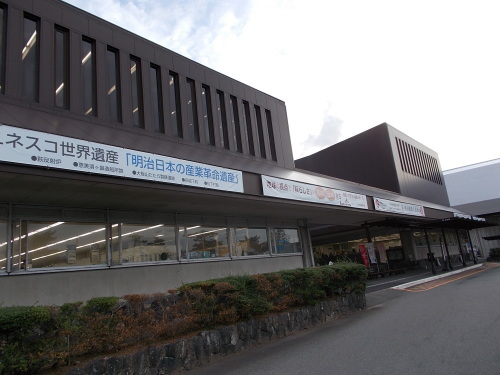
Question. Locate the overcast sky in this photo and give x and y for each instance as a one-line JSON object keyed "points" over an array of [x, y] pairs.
{"points": [[430, 68]]}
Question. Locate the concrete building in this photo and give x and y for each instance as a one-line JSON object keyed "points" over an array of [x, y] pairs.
{"points": [[386, 158], [127, 168], [474, 189]]}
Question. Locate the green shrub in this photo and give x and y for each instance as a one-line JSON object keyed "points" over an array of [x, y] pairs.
{"points": [[25, 331], [100, 305], [37, 337]]}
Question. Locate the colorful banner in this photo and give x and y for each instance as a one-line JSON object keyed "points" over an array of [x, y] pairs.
{"points": [[381, 253], [398, 207], [48, 150], [364, 255], [280, 188]]}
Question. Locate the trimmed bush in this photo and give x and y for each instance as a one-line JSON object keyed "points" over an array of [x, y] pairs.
{"points": [[35, 338]]}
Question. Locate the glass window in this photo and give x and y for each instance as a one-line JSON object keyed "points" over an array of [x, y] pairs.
{"points": [[136, 85], [192, 112], [249, 241], [451, 237], [114, 240], [206, 242], [260, 131], [3, 24], [286, 240], [146, 243], [89, 77], [58, 244], [222, 120], [175, 110], [61, 68], [114, 91], [235, 123], [208, 121], [3, 245], [30, 64], [271, 134], [156, 98], [248, 123]]}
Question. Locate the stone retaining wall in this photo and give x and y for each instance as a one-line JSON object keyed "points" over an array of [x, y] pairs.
{"points": [[188, 353]]}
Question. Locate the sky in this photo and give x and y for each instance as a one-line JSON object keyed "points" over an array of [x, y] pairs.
{"points": [[430, 68]]}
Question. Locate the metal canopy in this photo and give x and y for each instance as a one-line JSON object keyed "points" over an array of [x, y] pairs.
{"points": [[492, 238], [457, 223]]}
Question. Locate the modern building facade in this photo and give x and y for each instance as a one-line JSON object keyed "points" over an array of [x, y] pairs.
{"points": [[127, 168], [386, 158], [474, 189]]}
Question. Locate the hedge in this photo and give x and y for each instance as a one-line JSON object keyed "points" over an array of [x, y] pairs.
{"points": [[34, 338]]}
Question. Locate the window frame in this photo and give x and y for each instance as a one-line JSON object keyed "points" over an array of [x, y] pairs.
{"points": [[33, 92], [61, 66]]}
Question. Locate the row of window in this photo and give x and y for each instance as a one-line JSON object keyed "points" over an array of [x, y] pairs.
{"points": [[418, 163], [58, 244], [232, 118]]}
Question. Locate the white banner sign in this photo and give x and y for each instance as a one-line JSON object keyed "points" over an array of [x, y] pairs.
{"points": [[398, 207], [280, 188], [371, 252], [48, 150]]}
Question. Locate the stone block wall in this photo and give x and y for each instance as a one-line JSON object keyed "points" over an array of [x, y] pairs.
{"points": [[207, 346]]}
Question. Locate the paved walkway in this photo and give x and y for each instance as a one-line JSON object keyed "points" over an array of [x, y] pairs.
{"points": [[444, 278]]}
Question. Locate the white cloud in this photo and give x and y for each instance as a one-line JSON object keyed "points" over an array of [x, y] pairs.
{"points": [[429, 68]]}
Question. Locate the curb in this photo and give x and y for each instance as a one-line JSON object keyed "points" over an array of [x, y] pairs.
{"points": [[422, 281]]}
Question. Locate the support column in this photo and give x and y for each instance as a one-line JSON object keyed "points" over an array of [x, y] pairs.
{"points": [[305, 234], [447, 250], [460, 249], [430, 255], [472, 248]]}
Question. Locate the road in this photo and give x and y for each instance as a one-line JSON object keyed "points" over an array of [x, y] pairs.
{"points": [[449, 326]]}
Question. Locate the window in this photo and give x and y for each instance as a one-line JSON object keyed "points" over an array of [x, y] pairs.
{"points": [[175, 109], [61, 68], [249, 241], [235, 123], [222, 120], [136, 86], [3, 24], [192, 112], [30, 63], [89, 77], [208, 121], [58, 244], [271, 134], [156, 98], [206, 242], [3, 245], [144, 243], [286, 241], [260, 131], [248, 123], [114, 90]]}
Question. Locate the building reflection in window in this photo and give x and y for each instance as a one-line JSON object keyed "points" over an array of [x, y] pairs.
{"points": [[3, 246], [147, 243], [61, 68], [30, 58], [114, 91], [249, 241], [89, 77], [206, 242], [286, 240]]}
